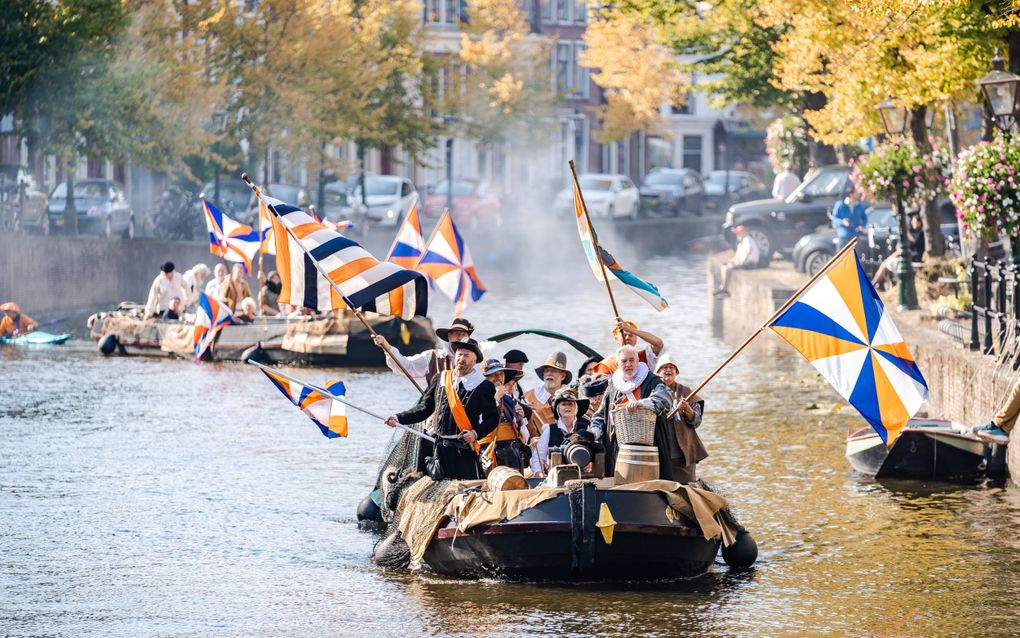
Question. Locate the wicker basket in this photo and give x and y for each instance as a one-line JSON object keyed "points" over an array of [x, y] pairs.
{"points": [[634, 428]]}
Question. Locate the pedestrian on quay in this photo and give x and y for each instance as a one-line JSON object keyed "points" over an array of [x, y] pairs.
{"points": [[849, 216], [165, 287], [785, 183], [746, 257]]}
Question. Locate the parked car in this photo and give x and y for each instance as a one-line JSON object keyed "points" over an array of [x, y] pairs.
{"points": [[388, 198], [673, 191], [23, 205], [605, 195], [812, 252], [725, 188], [777, 225], [102, 207], [473, 202], [340, 204]]}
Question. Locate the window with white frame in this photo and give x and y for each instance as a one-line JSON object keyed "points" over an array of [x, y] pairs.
{"points": [[563, 66], [580, 11], [547, 11], [563, 10], [442, 11], [581, 83]]}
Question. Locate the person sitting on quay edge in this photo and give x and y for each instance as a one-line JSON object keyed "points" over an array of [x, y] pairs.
{"points": [[1005, 419], [685, 447], [568, 408], [745, 257], [270, 287], [173, 313], [427, 365], [915, 239], [508, 440], [631, 387], [13, 323], [246, 313], [463, 406], [165, 286], [236, 289], [626, 333], [849, 217], [217, 286], [554, 375]]}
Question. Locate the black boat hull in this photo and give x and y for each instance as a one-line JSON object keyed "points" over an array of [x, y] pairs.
{"points": [[919, 453], [558, 541]]}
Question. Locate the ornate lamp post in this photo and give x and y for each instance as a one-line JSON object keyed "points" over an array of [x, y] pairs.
{"points": [[894, 120], [1002, 93]]}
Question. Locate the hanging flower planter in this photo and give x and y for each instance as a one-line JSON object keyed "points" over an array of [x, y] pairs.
{"points": [[984, 189], [786, 142], [900, 171]]}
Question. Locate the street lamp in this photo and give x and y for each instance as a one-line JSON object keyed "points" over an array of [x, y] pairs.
{"points": [[1002, 93], [894, 119], [219, 123]]}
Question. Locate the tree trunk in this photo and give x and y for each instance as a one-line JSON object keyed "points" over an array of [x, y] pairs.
{"points": [[818, 154], [70, 211], [936, 245]]}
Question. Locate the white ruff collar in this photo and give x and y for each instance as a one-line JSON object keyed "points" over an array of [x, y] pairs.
{"points": [[542, 395], [470, 381], [626, 387]]}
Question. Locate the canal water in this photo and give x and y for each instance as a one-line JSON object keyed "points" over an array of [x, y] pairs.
{"points": [[144, 497]]}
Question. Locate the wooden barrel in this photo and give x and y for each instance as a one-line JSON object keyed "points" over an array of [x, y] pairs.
{"points": [[504, 478], [637, 463]]}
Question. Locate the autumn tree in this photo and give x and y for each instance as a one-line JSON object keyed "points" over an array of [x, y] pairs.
{"points": [[637, 72]]}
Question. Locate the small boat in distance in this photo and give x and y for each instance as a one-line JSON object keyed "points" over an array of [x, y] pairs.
{"points": [[35, 338], [927, 449]]}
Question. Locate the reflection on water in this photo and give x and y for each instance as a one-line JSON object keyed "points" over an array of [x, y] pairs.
{"points": [[150, 497]]}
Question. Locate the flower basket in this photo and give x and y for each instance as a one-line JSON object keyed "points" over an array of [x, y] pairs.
{"points": [[984, 188]]}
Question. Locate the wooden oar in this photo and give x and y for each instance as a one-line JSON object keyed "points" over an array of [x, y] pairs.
{"points": [[326, 393]]}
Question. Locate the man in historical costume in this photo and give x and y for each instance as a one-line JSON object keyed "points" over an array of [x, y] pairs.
{"points": [[13, 322], [463, 408], [515, 360], [685, 447], [236, 289], [426, 366], [217, 286], [631, 387], [626, 333], [568, 409], [164, 287], [554, 375], [594, 389], [506, 445], [193, 281]]}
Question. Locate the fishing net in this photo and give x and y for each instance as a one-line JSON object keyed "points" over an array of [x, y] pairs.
{"points": [[397, 470]]}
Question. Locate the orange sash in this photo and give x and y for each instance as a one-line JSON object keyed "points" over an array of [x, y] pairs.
{"points": [[460, 416]]}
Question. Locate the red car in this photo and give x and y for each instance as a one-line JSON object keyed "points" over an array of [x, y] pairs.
{"points": [[473, 202]]}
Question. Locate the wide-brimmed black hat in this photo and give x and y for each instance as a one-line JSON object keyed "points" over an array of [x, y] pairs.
{"points": [[470, 344], [592, 388], [515, 356], [556, 361], [458, 324], [569, 394], [589, 360], [492, 366]]}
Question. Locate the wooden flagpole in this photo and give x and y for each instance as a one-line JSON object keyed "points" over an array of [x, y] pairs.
{"points": [[768, 322], [595, 243], [326, 393], [318, 267]]}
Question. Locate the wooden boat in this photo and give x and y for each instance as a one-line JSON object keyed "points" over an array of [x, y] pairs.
{"points": [[559, 540], [36, 338], [309, 341], [927, 449]]}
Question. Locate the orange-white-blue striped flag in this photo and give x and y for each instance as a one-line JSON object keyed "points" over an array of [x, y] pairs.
{"points": [[229, 239], [210, 316], [447, 262], [363, 281], [842, 327], [328, 415], [409, 243]]}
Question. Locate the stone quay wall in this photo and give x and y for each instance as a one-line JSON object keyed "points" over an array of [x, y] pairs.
{"points": [[965, 386], [48, 275]]}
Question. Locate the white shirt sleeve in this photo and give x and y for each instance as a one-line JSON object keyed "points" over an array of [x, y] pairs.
{"points": [[153, 301], [543, 448], [417, 365]]}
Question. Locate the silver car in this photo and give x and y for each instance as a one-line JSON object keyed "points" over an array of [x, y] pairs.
{"points": [[388, 198], [102, 208]]}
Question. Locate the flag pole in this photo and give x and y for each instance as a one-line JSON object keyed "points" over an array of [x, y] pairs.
{"points": [[336, 288], [326, 393], [594, 241], [768, 322]]}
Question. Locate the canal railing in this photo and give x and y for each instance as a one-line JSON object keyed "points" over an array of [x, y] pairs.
{"points": [[995, 310]]}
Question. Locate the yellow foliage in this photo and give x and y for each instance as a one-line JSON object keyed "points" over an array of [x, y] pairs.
{"points": [[636, 70]]}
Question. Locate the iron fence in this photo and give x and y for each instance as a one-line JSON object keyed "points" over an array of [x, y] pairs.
{"points": [[995, 310]]}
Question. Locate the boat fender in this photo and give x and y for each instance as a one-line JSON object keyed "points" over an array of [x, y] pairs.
{"points": [[108, 344], [743, 552], [254, 353], [995, 461], [368, 510]]}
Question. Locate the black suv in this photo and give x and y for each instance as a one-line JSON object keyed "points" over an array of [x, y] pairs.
{"points": [[777, 225], [672, 191]]}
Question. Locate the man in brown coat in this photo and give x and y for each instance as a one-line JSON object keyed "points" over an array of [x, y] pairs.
{"points": [[236, 289], [686, 449]]}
